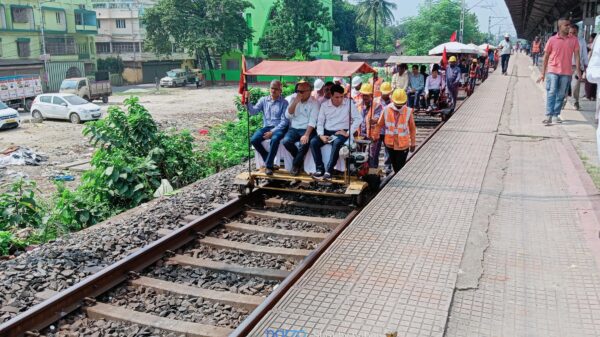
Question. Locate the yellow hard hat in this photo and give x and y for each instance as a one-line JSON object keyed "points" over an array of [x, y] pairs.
{"points": [[386, 88], [452, 59], [366, 89], [399, 96]]}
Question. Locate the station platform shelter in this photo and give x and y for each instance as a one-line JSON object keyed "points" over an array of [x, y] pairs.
{"points": [[492, 229]]}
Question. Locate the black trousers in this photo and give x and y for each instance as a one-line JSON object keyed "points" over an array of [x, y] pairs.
{"points": [[505, 59], [398, 158]]}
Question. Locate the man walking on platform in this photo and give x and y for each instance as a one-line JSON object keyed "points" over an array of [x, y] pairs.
{"points": [[583, 62], [505, 50], [453, 80], [400, 129], [536, 49], [559, 53]]}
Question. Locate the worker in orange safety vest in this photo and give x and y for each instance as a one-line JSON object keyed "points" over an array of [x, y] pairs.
{"points": [[370, 110], [400, 129]]}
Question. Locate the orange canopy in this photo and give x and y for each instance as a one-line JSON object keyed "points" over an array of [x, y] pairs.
{"points": [[310, 69]]}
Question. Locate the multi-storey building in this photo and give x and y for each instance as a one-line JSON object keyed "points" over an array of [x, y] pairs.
{"points": [[121, 34], [52, 38]]}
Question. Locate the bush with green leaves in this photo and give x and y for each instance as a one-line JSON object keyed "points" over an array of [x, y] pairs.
{"points": [[19, 207]]}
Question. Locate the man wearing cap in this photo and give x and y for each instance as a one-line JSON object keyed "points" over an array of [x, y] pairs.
{"points": [[453, 80], [356, 85], [302, 114], [400, 129], [332, 128], [505, 48], [319, 92], [370, 109], [274, 124]]}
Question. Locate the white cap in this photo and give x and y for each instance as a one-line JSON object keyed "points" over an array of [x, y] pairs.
{"points": [[337, 79], [319, 84], [506, 35], [356, 80]]}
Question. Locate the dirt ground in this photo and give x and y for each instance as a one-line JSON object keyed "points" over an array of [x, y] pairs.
{"points": [[180, 108]]}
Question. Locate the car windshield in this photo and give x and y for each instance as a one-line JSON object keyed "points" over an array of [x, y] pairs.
{"points": [[3, 106], [69, 84], [75, 100], [171, 74]]}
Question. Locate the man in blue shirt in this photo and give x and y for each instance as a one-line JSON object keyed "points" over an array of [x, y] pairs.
{"points": [[453, 80], [275, 124], [416, 86]]}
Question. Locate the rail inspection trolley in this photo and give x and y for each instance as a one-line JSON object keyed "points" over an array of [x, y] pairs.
{"points": [[357, 179]]}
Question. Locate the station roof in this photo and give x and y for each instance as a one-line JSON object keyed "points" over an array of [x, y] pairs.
{"points": [[529, 16]]}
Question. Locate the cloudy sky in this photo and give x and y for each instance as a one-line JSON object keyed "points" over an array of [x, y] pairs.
{"points": [[483, 8]]}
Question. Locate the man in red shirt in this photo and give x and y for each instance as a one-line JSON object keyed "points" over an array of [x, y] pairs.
{"points": [[536, 49], [560, 51]]}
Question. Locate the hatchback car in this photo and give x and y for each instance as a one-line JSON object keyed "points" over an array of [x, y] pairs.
{"points": [[64, 106], [9, 117]]}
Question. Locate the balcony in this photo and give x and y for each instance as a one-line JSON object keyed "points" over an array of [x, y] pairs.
{"points": [[85, 21]]}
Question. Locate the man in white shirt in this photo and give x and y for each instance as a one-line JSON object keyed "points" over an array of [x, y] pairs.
{"points": [[332, 127], [302, 114], [583, 57], [505, 49], [400, 79], [433, 86]]}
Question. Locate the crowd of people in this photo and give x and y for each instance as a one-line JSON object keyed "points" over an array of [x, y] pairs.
{"points": [[332, 112]]}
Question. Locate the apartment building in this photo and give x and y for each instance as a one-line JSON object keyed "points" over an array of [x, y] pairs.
{"points": [[54, 39], [121, 34]]}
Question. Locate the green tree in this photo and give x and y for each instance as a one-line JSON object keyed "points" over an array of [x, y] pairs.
{"points": [[294, 28], [435, 23], [198, 26], [377, 12], [113, 65], [344, 28]]}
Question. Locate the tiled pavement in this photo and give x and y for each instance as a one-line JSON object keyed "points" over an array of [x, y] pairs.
{"points": [[492, 173], [540, 270]]}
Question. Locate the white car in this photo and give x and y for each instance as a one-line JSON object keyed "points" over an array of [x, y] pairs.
{"points": [[64, 106], [174, 78], [9, 117]]}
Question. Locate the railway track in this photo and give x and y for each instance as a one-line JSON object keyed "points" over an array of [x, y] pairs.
{"points": [[215, 275]]}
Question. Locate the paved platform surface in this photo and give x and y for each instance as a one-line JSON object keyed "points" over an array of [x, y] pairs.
{"points": [[488, 231]]}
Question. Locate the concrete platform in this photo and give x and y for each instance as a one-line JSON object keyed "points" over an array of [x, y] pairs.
{"points": [[490, 230]]}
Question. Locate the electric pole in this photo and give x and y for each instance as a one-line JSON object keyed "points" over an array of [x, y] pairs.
{"points": [[462, 21]]}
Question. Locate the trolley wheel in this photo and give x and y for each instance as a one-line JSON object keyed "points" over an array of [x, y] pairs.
{"points": [[245, 189], [374, 180]]}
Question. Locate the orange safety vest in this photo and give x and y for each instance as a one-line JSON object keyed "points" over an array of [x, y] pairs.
{"points": [[397, 132], [536, 48], [473, 72], [375, 104], [376, 86]]}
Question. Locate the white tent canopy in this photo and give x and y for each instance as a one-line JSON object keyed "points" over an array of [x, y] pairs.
{"points": [[454, 48], [474, 46], [485, 46]]}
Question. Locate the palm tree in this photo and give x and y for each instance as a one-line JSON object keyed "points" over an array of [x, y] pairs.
{"points": [[373, 10]]}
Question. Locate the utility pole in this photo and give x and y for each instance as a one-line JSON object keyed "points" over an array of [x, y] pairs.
{"points": [[45, 56], [462, 21]]}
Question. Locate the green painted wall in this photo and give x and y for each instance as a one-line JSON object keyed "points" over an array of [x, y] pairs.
{"points": [[60, 22]]}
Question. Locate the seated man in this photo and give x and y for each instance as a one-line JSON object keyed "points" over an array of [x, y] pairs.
{"points": [[416, 86], [274, 124], [332, 127], [302, 114], [433, 86]]}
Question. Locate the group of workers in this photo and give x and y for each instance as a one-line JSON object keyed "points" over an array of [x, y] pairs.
{"points": [[330, 113]]}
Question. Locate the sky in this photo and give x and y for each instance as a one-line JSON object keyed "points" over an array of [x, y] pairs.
{"points": [[483, 8]]}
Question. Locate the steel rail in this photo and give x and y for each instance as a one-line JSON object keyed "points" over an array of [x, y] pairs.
{"points": [[68, 300]]}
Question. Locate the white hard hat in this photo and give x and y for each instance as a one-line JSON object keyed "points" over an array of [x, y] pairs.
{"points": [[319, 84], [356, 80], [506, 35], [337, 79]]}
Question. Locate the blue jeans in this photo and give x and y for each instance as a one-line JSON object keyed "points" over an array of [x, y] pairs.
{"points": [[257, 139], [315, 147], [556, 89], [536, 57], [289, 141], [505, 58]]}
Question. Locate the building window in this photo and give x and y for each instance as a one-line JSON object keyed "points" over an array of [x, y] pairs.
{"points": [[125, 47], [0, 47], [78, 19], [103, 47], [20, 14], [120, 23], [2, 18], [98, 24], [233, 65], [58, 17], [60, 46], [23, 48]]}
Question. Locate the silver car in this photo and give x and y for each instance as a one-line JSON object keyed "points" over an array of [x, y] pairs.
{"points": [[64, 106]]}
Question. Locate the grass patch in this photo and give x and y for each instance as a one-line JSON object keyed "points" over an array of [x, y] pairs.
{"points": [[592, 170]]}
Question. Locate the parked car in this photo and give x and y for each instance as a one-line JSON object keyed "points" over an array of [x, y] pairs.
{"points": [[64, 106], [175, 77], [86, 89], [20, 90], [9, 117]]}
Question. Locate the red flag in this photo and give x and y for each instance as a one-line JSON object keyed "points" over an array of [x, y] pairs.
{"points": [[444, 59], [453, 37], [242, 85]]}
